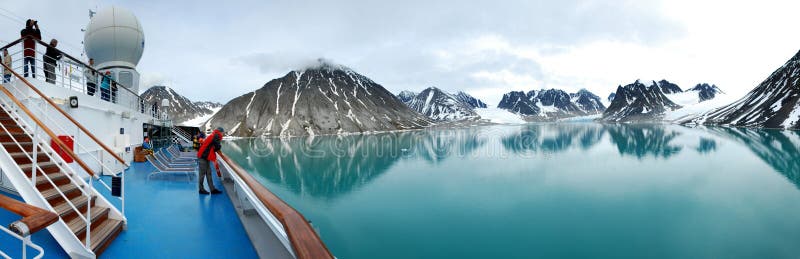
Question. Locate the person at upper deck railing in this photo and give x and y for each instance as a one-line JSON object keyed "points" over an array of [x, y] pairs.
{"points": [[105, 87], [7, 62], [51, 56], [91, 78], [29, 44]]}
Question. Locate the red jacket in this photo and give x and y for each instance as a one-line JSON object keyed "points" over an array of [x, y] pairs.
{"points": [[30, 44], [211, 145]]}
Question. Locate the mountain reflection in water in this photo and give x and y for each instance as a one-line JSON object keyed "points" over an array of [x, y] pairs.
{"points": [[329, 166]]}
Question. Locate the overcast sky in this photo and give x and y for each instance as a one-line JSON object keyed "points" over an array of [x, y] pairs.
{"points": [[217, 50]]}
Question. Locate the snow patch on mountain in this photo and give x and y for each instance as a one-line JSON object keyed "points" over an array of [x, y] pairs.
{"points": [[200, 120]]}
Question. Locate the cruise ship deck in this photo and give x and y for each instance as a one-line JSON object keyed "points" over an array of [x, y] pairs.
{"points": [[167, 219]]}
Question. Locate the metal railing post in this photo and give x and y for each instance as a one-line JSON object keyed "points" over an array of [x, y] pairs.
{"points": [[34, 164], [89, 217], [122, 192], [25, 241]]}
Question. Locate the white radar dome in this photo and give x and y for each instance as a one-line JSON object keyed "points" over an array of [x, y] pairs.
{"points": [[114, 38]]}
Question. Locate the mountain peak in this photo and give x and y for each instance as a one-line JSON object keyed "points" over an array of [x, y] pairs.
{"points": [[637, 102], [180, 109], [324, 64], [441, 106], [325, 98], [774, 103]]}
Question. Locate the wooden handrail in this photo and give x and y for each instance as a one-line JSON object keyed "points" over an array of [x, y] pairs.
{"points": [[85, 131], [47, 130], [33, 218], [12, 43], [305, 241]]}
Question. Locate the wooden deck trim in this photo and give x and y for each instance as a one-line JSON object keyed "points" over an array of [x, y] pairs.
{"points": [[305, 241]]}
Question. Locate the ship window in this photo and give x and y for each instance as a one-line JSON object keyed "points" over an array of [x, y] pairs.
{"points": [[125, 78]]}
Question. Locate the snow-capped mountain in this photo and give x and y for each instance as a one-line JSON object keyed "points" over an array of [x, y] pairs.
{"points": [[551, 104], [588, 102], [181, 109], [669, 88], [772, 104], [705, 91], [519, 102], [611, 97], [406, 96], [323, 99], [639, 102], [441, 106], [468, 99]]}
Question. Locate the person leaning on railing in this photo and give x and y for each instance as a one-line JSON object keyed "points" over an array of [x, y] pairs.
{"points": [[7, 62], [51, 56], [208, 153], [31, 33], [91, 78]]}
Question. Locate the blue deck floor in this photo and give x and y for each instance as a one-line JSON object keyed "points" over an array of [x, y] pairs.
{"points": [[167, 218]]}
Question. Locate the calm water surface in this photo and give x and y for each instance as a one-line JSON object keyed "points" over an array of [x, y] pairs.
{"points": [[551, 190]]}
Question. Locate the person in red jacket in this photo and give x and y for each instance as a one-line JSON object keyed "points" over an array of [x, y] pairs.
{"points": [[208, 153], [31, 33]]}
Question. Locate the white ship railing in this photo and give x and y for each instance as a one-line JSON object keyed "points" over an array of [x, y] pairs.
{"points": [[69, 74], [26, 242], [38, 142], [291, 228]]}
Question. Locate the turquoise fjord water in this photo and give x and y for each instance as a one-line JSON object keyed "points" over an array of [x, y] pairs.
{"points": [[545, 190]]}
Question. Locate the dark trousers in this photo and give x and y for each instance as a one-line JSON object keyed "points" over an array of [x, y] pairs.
{"points": [[50, 72], [32, 62], [105, 94], [91, 88], [205, 172]]}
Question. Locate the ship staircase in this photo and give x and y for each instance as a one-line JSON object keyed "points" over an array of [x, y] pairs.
{"points": [[182, 137], [36, 158]]}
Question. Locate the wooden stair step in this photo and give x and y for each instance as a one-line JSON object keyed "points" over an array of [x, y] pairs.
{"points": [[13, 128], [47, 167], [41, 164], [18, 137], [5, 119], [103, 234], [25, 157], [78, 226], [52, 193], [64, 209], [13, 147], [55, 177]]}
